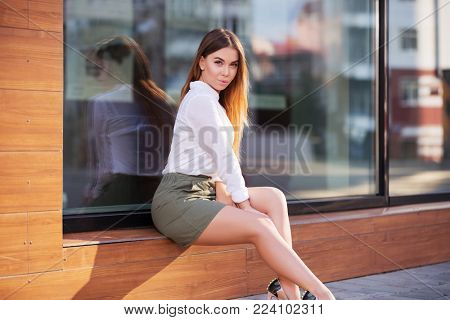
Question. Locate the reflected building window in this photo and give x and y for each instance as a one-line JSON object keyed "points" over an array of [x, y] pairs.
{"points": [[409, 39], [409, 91]]}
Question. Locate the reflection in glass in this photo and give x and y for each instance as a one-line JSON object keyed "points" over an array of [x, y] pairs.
{"points": [[124, 124], [313, 82], [127, 130], [419, 60], [312, 88]]}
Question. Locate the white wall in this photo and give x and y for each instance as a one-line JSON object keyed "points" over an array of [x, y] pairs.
{"points": [[419, 15]]}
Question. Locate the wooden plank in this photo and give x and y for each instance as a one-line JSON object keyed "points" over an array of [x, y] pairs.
{"points": [[331, 229], [31, 181], [411, 220], [14, 13], [13, 224], [31, 60], [14, 246], [208, 280], [187, 277], [370, 213], [117, 253], [113, 236], [30, 120], [46, 15], [414, 247], [110, 236], [335, 225], [13, 255], [45, 241], [10, 285]]}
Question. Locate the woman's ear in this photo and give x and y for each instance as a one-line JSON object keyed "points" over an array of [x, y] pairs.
{"points": [[202, 63]]}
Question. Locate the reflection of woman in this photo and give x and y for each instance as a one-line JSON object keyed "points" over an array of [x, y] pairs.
{"points": [[123, 125], [202, 198]]}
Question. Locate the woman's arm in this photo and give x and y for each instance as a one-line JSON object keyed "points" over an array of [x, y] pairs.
{"points": [[222, 195], [212, 134]]}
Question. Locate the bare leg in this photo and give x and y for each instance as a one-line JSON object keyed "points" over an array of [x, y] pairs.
{"points": [[272, 202], [234, 226]]}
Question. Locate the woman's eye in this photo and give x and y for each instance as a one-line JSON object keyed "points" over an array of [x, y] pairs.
{"points": [[218, 62]]}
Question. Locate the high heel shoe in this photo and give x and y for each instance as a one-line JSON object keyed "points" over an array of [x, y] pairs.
{"points": [[275, 292], [308, 296]]}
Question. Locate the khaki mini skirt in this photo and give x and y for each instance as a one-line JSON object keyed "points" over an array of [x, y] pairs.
{"points": [[183, 206]]}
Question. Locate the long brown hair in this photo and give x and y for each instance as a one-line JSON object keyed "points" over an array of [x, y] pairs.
{"points": [[145, 90], [235, 97]]}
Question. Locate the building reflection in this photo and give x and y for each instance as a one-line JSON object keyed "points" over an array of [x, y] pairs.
{"points": [[419, 61]]}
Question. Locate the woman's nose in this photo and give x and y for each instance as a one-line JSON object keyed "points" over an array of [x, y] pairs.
{"points": [[225, 71]]}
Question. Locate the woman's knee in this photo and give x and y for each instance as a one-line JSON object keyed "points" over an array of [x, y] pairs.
{"points": [[261, 227], [277, 195]]}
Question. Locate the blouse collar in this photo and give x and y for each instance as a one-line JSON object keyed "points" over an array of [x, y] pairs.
{"points": [[205, 88]]}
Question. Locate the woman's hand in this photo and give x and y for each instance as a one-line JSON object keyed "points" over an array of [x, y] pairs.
{"points": [[222, 195], [247, 206]]}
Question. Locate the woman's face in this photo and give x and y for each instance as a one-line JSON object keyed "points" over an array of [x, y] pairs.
{"points": [[219, 68]]}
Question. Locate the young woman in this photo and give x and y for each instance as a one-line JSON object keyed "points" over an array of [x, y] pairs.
{"points": [[202, 198]]}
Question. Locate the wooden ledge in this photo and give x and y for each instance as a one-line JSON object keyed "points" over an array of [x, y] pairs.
{"points": [[140, 234], [369, 213], [110, 236]]}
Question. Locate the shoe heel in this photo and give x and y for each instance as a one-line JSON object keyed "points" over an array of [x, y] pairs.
{"points": [[309, 296], [275, 289], [270, 296]]}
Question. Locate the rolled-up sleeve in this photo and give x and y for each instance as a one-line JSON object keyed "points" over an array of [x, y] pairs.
{"points": [[213, 136]]}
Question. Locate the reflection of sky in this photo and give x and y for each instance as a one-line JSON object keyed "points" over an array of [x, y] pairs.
{"points": [[273, 20]]}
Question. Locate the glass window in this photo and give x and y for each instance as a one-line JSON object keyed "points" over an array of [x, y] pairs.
{"points": [[419, 98], [409, 39], [311, 103], [409, 91]]}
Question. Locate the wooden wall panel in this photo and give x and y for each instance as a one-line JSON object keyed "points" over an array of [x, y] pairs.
{"points": [[45, 241], [13, 244], [31, 181], [315, 231], [148, 244], [46, 15], [31, 85], [14, 13], [188, 277], [31, 60], [411, 247], [117, 253], [31, 121], [10, 285]]}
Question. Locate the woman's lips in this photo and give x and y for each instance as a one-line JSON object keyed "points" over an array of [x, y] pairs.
{"points": [[223, 82]]}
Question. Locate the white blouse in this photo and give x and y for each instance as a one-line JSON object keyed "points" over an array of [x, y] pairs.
{"points": [[203, 141]]}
